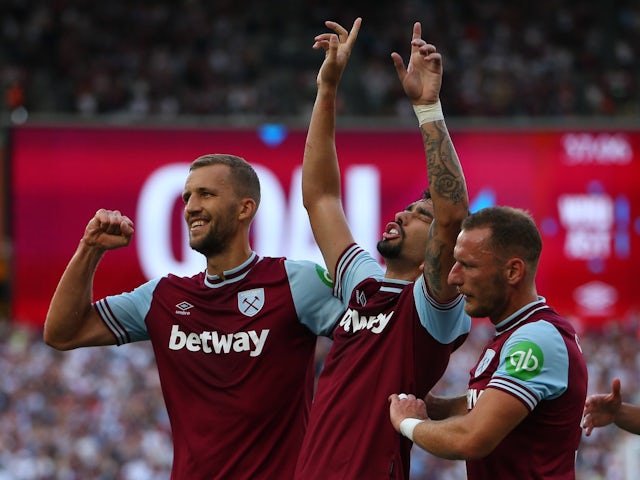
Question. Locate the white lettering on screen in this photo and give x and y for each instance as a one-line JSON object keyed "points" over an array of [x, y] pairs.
{"points": [[281, 227], [589, 221], [600, 149]]}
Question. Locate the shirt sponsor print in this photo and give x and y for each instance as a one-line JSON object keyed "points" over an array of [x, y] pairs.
{"points": [[353, 321], [251, 341], [524, 360], [324, 276]]}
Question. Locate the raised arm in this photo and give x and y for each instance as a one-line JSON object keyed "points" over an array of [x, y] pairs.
{"points": [[71, 320], [321, 192], [421, 80]]}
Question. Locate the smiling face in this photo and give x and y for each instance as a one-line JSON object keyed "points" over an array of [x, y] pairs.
{"points": [[406, 237], [211, 209]]}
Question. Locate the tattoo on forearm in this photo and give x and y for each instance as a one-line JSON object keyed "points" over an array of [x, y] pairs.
{"points": [[433, 267], [445, 174]]}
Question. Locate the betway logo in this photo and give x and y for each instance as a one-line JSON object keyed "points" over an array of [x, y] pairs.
{"points": [[213, 342], [352, 321]]}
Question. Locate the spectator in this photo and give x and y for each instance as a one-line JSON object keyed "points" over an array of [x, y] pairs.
{"points": [[41, 415], [605, 409], [146, 58]]}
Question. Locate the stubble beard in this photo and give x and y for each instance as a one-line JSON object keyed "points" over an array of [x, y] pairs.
{"points": [[214, 242], [492, 303]]}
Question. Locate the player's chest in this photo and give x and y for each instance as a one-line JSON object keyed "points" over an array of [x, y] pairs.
{"points": [[252, 308]]}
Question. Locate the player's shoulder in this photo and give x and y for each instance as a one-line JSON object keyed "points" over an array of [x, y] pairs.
{"points": [[540, 335], [307, 269], [537, 329]]}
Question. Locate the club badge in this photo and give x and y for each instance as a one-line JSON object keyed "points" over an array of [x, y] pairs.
{"points": [[250, 302]]}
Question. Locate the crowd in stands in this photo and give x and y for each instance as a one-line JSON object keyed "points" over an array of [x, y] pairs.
{"points": [[161, 58], [98, 412]]}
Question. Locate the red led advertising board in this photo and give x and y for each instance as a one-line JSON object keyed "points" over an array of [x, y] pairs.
{"points": [[580, 186]]}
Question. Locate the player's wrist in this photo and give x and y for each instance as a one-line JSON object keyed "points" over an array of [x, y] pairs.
{"points": [[428, 113], [89, 246], [328, 89], [408, 425]]}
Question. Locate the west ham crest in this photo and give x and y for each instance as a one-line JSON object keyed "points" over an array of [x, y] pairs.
{"points": [[251, 302]]}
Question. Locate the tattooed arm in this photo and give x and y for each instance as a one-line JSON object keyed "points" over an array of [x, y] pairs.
{"points": [[450, 203], [421, 81]]}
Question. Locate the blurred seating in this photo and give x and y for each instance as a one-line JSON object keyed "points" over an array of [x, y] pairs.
{"points": [[98, 412], [158, 59]]}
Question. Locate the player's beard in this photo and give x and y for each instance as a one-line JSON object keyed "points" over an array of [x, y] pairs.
{"points": [[216, 240], [389, 250], [492, 302]]}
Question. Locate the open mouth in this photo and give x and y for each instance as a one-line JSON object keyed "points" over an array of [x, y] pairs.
{"points": [[391, 231], [196, 225]]}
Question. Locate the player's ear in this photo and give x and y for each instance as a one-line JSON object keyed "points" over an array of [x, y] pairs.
{"points": [[247, 209], [515, 270]]}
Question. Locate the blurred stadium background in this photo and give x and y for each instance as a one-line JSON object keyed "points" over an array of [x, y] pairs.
{"points": [[104, 104]]}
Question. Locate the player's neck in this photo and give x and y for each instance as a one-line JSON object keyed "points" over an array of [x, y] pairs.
{"points": [[402, 272], [517, 300], [228, 260]]}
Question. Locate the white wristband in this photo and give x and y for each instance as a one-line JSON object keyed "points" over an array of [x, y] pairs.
{"points": [[408, 425], [428, 113]]}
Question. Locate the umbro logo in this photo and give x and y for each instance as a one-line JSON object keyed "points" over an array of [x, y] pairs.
{"points": [[183, 308], [361, 298]]}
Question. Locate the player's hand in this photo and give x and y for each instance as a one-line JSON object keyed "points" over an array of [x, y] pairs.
{"points": [[422, 78], [405, 406], [337, 47], [601, 409], [108, 229]]}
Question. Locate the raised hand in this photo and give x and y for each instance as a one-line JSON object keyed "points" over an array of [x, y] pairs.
{"points": [[422, 78], [108, 230], [337, 47], [601, 409]]}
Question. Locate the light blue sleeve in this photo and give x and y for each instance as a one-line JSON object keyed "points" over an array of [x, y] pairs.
{"points": [[355, 266], [128, 311], [444, 321], [535, 357], [311, 288]]}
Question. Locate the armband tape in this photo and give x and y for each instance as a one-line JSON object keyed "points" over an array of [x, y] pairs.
{"points": [[408, 425], [428, 113]]}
